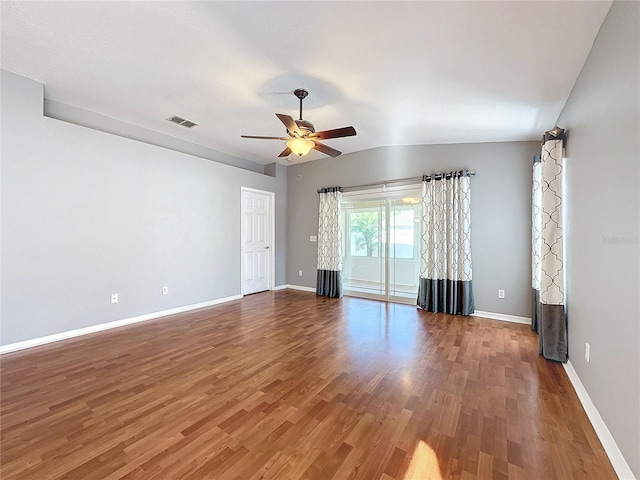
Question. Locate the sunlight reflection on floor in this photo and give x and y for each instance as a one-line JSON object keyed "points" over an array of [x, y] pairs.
{"points": [[424, 464]]}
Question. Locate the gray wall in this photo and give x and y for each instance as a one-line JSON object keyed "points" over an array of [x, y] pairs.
{"points": [[500, 202], [603, 264], [94, 120], [86, 213]]}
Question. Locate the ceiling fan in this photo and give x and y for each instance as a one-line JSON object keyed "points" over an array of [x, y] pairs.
{"points": [[303, 136]]}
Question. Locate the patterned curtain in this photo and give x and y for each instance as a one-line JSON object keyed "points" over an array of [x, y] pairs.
{"points": [[329, 281], [547, 275], [445, 247]]}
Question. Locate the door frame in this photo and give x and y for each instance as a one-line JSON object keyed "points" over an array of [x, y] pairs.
{"points": [[272, 235]]}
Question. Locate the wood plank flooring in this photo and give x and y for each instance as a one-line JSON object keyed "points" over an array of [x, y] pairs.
{"points": [[288, 385]]}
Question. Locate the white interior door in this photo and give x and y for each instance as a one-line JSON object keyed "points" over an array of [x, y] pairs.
{"points": [[256, 241]]}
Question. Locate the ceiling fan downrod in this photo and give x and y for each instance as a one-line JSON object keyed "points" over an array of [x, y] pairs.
{"points": [[301, 93]]}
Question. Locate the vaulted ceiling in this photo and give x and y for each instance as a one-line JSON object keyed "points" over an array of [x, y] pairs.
{"points": [[400, 72]]}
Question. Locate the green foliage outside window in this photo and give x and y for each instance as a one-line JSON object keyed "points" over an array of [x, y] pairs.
{"points": [[364, 233]]}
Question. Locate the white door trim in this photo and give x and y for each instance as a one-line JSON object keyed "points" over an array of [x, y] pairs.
{"points": [[272, 234]]}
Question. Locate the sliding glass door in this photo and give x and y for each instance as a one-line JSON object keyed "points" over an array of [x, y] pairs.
{"points": [[382, 232]]}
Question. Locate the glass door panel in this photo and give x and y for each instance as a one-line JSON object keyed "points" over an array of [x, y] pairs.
{"points": [[364, 270], [404, 239]]}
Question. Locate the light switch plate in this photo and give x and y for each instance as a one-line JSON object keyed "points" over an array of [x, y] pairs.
{"points": [[313, 238]]}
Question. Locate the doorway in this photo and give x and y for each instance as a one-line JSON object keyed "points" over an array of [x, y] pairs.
{"points": [[381, 243], [257, 240]]}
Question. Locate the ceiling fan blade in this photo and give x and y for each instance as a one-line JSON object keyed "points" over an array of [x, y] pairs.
{"points": [[335, 133], [285, 153], [290, 123], [321, 147], [264, 138]]}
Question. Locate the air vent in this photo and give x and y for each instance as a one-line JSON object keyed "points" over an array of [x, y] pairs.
{"points": [[181, 121]]}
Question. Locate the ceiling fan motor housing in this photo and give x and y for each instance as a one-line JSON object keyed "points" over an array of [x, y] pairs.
{"points": [[305, 126]]}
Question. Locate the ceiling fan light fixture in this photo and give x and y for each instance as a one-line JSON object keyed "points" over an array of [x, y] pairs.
{"points": [[300, 146]]}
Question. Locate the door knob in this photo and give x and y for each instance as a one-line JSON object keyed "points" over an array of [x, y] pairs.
{"points": [[266, 247]]}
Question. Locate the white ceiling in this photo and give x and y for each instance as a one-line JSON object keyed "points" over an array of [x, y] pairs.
{"points": [[400, 72]]}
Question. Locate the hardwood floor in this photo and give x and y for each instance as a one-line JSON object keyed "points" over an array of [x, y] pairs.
{"points": [[288, 385]]}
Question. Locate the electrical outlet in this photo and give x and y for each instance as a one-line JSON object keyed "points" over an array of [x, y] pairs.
{"points": [[500, 293], [165, 290], [299, 273], [114, 298], [313, 238], [587, 352]]}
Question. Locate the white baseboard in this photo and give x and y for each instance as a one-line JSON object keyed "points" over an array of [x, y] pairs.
{"points": [[299, 287], [34, 342], [490, 315], [620, 465], [502, 316], [280, 287]]}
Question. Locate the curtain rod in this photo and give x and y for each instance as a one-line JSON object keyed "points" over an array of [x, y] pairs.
{"points": [[386, 183]]}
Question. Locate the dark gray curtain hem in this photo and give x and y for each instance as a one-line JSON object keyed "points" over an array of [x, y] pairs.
{"points": [[553, 333], [329, 283], [535, 310], [447, 296]]}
